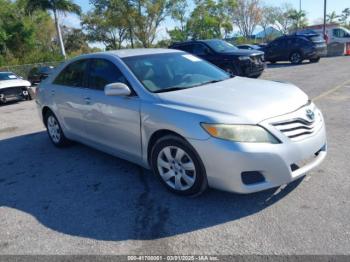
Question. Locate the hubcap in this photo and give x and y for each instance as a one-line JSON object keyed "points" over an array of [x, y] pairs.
{"points": [[295, 58], [54, 129], [176, 168]]}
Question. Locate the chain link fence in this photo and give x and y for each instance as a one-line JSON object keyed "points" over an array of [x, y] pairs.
{"points": [[23, 70]]}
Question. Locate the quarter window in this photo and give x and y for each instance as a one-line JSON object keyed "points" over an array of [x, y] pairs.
{"points": [[103, 72], [73, 74]]}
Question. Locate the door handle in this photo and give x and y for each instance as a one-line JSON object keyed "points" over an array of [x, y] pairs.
{"points": [[52, 92], [87, 100]]}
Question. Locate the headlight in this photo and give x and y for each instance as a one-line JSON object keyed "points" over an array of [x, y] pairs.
{"points": [[240, 133], [243, 58]]}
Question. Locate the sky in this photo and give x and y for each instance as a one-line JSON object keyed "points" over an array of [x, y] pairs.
{"points": [[313, 8]]}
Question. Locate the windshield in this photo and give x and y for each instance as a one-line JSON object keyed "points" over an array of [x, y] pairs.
{"points": [[221, 46], [173, 71], [8, 76]]}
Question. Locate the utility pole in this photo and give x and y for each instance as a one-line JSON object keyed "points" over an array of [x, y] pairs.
{"points": [[324, 18]]}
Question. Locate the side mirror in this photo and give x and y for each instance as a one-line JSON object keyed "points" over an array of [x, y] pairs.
{"points": [[117, 89]]}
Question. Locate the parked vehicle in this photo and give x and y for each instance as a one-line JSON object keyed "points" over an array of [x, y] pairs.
{"points": [[226, 56], [250, 47], [13, 88], [37, 74], [190, 122], [334, 33], [296, 48]]}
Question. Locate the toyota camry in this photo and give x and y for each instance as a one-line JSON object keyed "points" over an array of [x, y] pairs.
{"points": [[190, 122]]}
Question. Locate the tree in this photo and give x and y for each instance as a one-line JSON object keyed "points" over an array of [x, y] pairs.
{"points": [[269, 16], [332, 17], [246, 14], [55, 6], [179, 33], [344, 17], [146, 17], [282, 19], [102, 26], [298, 19], [26, 38], [209, 19]]}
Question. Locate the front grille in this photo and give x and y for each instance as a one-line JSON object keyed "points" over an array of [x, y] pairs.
{"points": [[299, 127], [12, 91]]}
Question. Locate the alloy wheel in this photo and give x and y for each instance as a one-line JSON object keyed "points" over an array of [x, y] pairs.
{"points": [[54, 129]]}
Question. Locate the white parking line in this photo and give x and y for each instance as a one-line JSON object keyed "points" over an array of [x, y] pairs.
{"points": [[332, 90]]}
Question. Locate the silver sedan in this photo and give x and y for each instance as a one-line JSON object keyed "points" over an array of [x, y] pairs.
{"points": [[190, 122]]}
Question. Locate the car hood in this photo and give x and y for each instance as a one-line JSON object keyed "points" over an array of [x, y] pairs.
{"points": [[13, 83], [244, 52], [239, 99]]}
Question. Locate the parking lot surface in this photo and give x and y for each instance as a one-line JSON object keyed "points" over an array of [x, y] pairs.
{"points": [[81, 201]]}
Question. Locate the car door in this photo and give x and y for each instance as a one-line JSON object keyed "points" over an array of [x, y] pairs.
{"points": [[112, 122], [276, 50], [66, 94]]}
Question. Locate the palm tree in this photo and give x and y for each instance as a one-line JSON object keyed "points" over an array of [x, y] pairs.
{"points": [[55, 6], [298, 18], [332, 17]]}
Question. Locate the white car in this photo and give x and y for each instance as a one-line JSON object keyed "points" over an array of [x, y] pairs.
{"points": [[13, 88], [190, 122]]}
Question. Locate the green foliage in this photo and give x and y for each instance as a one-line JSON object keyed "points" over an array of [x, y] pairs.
{"points": [[29, 35], [298, 19], [209, 19]]}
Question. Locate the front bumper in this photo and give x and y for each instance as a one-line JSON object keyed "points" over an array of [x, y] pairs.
{"points": [[225, 161], [252, 69], [13, 94]]}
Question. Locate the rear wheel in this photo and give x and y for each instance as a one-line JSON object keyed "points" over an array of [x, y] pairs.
{"points": [[55, 131], [296, 58], [315, 60], [178, 166]]}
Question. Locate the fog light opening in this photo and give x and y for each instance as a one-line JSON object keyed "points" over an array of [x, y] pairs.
{"points": [[252, 177]]}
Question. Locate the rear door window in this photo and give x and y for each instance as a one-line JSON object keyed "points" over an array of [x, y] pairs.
{"points": [[73, 75]]}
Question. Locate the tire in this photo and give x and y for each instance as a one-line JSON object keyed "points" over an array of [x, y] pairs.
{"points": [[296, 58], [256, 76], [55, 131], [315, 60], [178, 166]]}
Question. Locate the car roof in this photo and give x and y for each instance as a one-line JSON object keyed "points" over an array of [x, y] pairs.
{"points": [[196, 41], [122, 53]]}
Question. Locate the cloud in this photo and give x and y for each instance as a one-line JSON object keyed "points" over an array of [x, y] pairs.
{"points": [[70, 20]]}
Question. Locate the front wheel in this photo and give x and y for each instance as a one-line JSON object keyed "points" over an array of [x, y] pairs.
{"points": [[55, 131], [178, 166]]}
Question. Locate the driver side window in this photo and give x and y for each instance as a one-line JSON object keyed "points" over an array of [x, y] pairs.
{"points": [[103, 72], [199, 49]]}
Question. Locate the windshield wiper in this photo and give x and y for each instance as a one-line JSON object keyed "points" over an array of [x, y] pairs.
{"points": [[209, 82], [174, 88]]}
